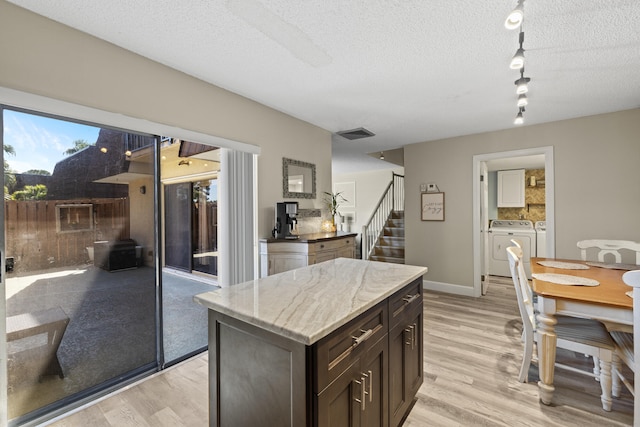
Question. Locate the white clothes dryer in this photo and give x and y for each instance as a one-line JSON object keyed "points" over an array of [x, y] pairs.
{"points": [[541, 239], [500, 234]]}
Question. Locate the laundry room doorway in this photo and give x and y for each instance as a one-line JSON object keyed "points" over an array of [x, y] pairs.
{"points": [[485, 208]]}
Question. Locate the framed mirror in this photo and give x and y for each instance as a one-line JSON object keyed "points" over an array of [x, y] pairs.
{"points": [[298, 179]]}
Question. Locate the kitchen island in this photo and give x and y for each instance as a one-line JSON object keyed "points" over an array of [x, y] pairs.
{"points": [[339, 342]]}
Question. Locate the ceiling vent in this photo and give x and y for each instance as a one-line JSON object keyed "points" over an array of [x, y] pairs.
{"points": [[355, 133]]}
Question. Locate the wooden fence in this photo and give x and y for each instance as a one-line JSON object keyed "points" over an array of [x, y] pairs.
{"points": [[45, 234]]}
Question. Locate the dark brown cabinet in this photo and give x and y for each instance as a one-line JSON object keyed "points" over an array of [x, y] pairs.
{"points": [[375, 408], [405, 366], [359, 396], [405, 351], [364, 373]]}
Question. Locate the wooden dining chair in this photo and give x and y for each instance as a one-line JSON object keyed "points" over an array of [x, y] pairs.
{"points": [[625, 348], [609, 247], [586, 336]]}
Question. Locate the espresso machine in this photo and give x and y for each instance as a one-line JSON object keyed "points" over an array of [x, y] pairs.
{"points": [[285, 220]]}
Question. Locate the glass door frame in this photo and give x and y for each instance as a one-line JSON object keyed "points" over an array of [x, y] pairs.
{"points": [[65, 404]]}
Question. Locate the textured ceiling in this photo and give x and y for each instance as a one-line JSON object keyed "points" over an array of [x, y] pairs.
{"points": [[407, 70]]}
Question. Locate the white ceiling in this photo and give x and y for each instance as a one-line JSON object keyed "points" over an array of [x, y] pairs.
{"points": [[407, 70]]}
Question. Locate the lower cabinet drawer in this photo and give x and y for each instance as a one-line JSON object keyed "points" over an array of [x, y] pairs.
{"points": [[335, 353], [331, 245], [405, 302]]}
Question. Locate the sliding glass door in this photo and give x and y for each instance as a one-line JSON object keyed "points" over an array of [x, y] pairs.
{"points": [[205, 227], [80, 274], [190, 211], [87, 262], [191, 226]]}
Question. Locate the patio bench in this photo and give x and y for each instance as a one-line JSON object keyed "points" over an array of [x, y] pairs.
{"points": [[33, 340]]}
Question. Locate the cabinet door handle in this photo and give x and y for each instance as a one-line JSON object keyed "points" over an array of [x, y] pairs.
{"points": [[370, 386], [415, 334], [362, 401], [364, 387], [411, 330], [365, 334], [407, 331], [411, 298]]}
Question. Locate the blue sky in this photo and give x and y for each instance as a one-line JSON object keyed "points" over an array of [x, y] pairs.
{"points": [[39, 142]]}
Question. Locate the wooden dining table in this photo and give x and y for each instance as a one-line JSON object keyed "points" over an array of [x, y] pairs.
{"points": [[607, 301]]}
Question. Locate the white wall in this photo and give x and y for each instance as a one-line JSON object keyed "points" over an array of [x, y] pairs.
{"points": [[597, 188]]}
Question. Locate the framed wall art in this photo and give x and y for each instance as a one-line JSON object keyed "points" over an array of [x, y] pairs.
{"points": [[432, 206]]}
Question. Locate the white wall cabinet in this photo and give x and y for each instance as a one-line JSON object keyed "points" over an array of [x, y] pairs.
{"points": [[278, 256], [511, 188]]}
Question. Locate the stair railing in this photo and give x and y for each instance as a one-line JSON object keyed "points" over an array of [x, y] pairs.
{"points": [[392, 199]]}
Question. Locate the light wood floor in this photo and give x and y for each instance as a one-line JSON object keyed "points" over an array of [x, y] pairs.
{"points": [[471, 359]]}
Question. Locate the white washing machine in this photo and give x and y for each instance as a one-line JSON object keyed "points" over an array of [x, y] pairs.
{"points": [[541, 239], [500, 234]]}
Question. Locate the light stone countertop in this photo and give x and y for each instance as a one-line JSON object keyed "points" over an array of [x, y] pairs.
{"points": [[308, 303]]}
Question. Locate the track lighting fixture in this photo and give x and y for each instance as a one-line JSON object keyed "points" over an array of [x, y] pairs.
{"points": [[522, 84], [519, 118], [522, 100], [515, 18], [382, 155], [517, 61], [514, 21]]}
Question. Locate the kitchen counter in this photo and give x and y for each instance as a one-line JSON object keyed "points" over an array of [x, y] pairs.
{"points": [[279, 255], [306, 304], [296, 348], [312, 237]]}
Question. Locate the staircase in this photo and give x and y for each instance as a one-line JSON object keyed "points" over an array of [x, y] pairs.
{"points": [[383, 234], [390, 245]]}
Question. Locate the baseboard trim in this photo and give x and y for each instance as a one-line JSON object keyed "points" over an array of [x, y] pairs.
{"points": [[448, 288]]}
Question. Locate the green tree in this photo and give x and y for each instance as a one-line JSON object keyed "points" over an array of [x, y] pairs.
{"points": [[78, 144], [9, 177], [9, 149], [31, 192], [38, 172]]}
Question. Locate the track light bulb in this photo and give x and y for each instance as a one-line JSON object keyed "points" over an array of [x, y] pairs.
{"points": [[517, 61], [522, 85], [522, 100], [519, 118], [515, 18]]}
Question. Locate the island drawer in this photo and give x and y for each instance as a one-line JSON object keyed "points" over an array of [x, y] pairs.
{"points": [[337, 351], [405, 302]]}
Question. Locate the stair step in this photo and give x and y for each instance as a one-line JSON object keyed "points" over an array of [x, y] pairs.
{"points": [[394, 260], [397, 214], [395, 223], [391, 251], [391, 241], [393, 231]]}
